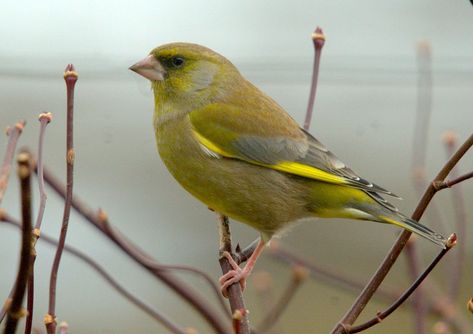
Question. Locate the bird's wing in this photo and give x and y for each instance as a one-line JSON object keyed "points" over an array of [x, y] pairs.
{"points": [[273, 140]]}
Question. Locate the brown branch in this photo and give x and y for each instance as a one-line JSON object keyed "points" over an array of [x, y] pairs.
{"points": [[382, 315], [15, 311], [70, 76], [362, 300], [166, 322], [13, 134], [186, 292], [318, 38], [299, 275], [450, 183], [235, 296]]}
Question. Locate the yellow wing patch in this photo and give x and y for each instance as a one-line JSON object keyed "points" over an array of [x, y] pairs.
{"points": [[290, 167]]}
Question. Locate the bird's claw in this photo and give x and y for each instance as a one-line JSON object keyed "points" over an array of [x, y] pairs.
{"points": [[237, 275]]}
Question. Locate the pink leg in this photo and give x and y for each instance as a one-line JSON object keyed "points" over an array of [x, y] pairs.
{"points": [[238, 274]]}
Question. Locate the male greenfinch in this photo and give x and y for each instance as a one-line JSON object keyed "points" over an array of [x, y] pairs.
{"points": [[236, 150]]}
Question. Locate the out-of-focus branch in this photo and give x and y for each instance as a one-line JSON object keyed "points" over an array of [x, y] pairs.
{"points": [[15, 311], [187, 293], [364, 297], [299, 275], [174, 328], [456, 269], [235, 297], [382, 315], [13, 134], [70, 76]]}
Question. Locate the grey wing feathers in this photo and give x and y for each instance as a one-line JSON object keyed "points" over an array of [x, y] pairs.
{"points": [[319, 156]]}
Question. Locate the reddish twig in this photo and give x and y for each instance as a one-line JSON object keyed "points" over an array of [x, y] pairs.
{"points": [[450, 183], [13, 134], [318, 38], [362, 300], [299, 275], [166, 322], [187, 293], [44, 119], [70, 76], [15, 310], [235, 296], [382, 315]]}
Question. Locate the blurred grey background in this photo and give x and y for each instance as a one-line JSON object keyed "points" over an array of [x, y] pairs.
{"points": [[365, 112]]}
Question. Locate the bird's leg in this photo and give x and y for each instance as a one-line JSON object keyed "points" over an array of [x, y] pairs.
{"points": [[238, 274]]}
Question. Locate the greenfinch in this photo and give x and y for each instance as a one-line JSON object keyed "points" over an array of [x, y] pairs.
{"points": [[236, 150]]}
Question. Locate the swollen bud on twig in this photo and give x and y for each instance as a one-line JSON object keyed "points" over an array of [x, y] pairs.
{"points": [[300, 273], [318, 38], [191, 331], [470, 305], [450, 138], [63, 327], [451, 241], [45, 117]]}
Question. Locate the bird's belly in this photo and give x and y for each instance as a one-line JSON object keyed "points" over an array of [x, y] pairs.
{"points": [[263, 198]]}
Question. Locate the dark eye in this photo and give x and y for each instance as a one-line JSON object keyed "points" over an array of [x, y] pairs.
{"points": [[177, 61]]}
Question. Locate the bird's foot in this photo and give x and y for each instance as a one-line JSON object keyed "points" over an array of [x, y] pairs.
{"points": [[236, 275]]}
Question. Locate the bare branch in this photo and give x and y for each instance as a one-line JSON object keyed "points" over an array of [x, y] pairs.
{"points": [[382, 315], [318, 39], [70, 76], [13, 134], [15, 311], [362, 300], [174, 328], [235, 296]]}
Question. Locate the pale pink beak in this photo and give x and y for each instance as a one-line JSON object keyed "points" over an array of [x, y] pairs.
{"points": [[150, 68]]}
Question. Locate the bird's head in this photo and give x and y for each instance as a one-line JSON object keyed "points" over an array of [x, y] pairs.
{"points": [[186, 71]]}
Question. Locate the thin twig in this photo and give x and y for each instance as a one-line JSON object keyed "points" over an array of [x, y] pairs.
{"points": [[70, 76], [318, 38], [299, 275], [382, 315], [13, 134], [44, 119], [454, 278], [378, 277], [15, 311], [235, 296], [200, 304], [450, 183], [164, 320]]}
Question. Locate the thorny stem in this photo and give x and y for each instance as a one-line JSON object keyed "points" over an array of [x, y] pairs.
{"points": [[13, 134], [174, 328], [382, 315], [235, 296], [299, 275], [182, 289], [378, 277], [15, 311], [70, 76], [318, 39]]}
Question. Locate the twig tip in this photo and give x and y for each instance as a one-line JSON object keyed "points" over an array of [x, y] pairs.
{"points": [[451, 241], [49, 319], [102, 216], [300, 273], [470, 305], [191, 331], [45, 116], [70, 73], [318, 38], [450, 137]]}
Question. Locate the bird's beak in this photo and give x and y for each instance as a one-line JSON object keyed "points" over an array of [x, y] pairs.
{"points": [[150, 68]]}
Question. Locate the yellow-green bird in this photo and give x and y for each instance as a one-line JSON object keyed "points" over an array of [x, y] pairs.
{"points": [[236, 150]]}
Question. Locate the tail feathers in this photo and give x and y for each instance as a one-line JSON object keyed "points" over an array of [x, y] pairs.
{"points": [[417, 228]]}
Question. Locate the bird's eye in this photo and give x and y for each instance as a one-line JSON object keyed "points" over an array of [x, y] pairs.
{"points": [[177, 62]]}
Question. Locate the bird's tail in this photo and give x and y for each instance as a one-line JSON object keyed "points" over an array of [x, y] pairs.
{"points": [[415, 227]]}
